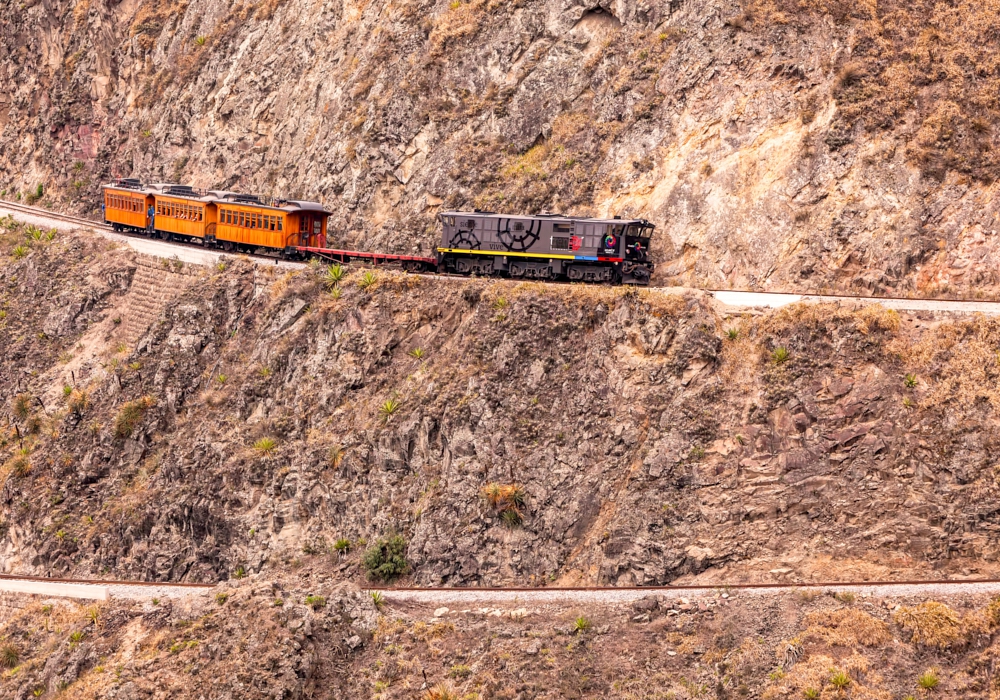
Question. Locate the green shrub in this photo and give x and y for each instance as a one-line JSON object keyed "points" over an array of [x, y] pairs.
{"points": [[581, 625], [342, 545], [334, 274], [20, 251], [780, 355], [417, 353], [221, 598], [388, 409], [929, 680], [378, 599], [386, 559], [733, 333], [131, 414], [910, 380], [459, 671], [508, 500], [840, 680], [265, 446], [240, 573], [315, 601]]}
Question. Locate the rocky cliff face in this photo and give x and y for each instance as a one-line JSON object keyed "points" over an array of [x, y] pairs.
{"points": [[266, 416], [776, 144]]}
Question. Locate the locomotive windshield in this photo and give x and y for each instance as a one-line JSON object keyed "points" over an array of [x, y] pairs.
{"points": [[637, 241]]}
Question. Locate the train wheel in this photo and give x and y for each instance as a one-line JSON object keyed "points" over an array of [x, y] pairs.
{"points": [[164, 236], [227, 246]]}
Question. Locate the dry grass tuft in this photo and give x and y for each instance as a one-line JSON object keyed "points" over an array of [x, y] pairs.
{"points": [[876, 317], [847, 627], [932, 624], [820, 676], [962, 360], [441, 691]]}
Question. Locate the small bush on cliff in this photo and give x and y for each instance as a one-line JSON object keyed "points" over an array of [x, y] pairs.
{"points": [[929, 680], [388, 409], [22, 405], [9, 656], [131, 414], [265, 446], [79, 401], [386, 559], [334, 274], [507, 500]]}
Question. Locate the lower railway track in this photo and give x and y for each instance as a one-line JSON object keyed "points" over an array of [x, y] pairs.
{"points": [[913, 587]]}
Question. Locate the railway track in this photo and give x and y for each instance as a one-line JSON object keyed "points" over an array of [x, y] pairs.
{"points": [[560, 590], [734, 298], [45, 213]]}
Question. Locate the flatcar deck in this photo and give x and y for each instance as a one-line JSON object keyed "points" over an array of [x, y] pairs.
{"points": [[408, 261]]}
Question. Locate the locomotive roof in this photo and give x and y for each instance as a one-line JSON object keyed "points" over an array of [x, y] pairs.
{"points": [[549, 217]]}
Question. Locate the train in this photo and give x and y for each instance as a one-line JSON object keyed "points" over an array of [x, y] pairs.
{"points": [[538, 247]]}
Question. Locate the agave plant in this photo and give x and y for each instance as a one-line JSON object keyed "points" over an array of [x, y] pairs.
{"points": [[388, 408], [367, 280], [334, 274]]}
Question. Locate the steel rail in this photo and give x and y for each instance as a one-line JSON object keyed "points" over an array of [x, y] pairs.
{"points": [[38, 211], [544, 589], [104, 582], [684, 587]]}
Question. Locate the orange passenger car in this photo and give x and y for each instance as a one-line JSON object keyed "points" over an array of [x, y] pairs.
{"points": [[244, 220], [183, 211], [126, 205]]}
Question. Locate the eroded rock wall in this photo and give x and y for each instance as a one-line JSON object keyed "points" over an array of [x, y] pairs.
{"points": [[264, 416]]}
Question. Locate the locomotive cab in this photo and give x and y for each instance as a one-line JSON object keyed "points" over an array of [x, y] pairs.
{"points": [[637, 238]]}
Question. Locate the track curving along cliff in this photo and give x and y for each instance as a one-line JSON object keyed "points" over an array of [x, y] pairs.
{"points": [[776, 145]]}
